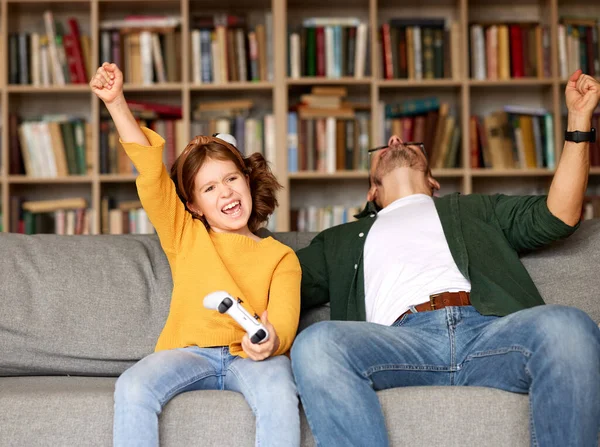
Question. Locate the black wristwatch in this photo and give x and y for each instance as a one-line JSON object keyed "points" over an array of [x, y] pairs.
{"points": [[581, 137]]}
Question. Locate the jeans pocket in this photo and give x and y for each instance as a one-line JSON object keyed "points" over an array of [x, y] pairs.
{"points": [[402, 320]]}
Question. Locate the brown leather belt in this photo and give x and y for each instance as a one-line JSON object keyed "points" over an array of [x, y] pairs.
{"points": [[441, 300]]}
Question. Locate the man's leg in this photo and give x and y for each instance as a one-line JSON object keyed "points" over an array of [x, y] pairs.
{"points": [[339, 365], [550, 352]]}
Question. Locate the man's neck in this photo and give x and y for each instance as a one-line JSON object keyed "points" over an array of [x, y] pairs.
{"points": [[404, 182]]}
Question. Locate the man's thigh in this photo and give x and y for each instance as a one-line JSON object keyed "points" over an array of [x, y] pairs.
{"points": [[415, 352], [498, 355]]}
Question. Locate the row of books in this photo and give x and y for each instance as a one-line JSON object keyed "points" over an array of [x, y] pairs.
{"points": [[595, 147], [124, 217], [591, 208], [72, 216], [53, 146], [331, 47], [254, 130], [51, 56], [504, 51], [515, 137], [67, 216], [146, 48], [579, 46], [420, 48], [313, 218], [225, 48], [429, 121], [328, 144], [327, 133]]}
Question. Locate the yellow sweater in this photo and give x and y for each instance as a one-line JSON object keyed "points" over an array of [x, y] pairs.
{"points": [[264, 274]]}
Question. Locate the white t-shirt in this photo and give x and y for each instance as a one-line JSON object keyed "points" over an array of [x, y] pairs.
{"points": [[407, 258]]}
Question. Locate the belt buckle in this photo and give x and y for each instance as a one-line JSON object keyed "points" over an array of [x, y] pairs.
{"points": [[432, 297]]}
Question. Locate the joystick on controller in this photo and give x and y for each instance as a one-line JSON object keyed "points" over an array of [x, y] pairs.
{"points": [[226, 304]]}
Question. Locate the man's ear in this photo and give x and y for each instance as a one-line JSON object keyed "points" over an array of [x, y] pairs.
{"points": [[372, 194], [433, 184]]}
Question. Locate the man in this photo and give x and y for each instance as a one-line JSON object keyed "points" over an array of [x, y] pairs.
{"points": [[446, 299]]}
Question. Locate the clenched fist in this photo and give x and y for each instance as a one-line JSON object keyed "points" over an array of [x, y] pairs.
{"points": [[582, 95], [107, 83]]}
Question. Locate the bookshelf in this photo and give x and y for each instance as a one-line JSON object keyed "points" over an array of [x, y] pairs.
{"points": [[276, 94]]}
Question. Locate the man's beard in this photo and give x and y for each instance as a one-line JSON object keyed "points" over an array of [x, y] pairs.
{"points": [[399, 156]]}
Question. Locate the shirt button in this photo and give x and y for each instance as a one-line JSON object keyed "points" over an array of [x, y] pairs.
{"points": [[361, 234], [355, 266], [372, 215]]}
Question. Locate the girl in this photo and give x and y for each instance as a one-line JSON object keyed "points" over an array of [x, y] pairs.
{"points": [[206, 213]]}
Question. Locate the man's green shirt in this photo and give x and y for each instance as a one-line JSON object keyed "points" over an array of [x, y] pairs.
{"points": [[486, 234]]}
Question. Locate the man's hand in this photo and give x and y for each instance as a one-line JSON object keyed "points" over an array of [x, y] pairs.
{"points": [[264, 350], [107, 83], [582, 95]]}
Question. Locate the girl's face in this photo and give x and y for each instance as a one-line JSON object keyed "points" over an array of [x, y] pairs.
{"points": [[222, 196]]}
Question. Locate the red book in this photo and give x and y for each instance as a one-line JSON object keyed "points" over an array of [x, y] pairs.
{"points": [[386, 40], [161, 109], [74, 39], [320, 51], [589, 42], [595, 147], [516, 52], [69, 43], [170, 142], [408, 128]]}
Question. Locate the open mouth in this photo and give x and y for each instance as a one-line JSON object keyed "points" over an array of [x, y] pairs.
{"points": [[233, 209]]}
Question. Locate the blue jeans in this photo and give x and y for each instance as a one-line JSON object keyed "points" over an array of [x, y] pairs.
{"points": [[268, 386], [550, 352]]}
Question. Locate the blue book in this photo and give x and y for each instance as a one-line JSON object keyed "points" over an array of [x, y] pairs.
{"points": [[206, 56], [292, 142], [549, 131]]}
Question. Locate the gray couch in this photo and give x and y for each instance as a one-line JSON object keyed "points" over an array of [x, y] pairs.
{"points": [[76, 311]]}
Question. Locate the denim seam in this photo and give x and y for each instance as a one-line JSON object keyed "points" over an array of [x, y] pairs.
{"points": [[309, 420], [173, 391], [499, 351], [534, 441], [249, 391], [450, 321], [379, 368]]}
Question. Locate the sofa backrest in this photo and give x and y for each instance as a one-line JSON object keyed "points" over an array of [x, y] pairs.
{"points": [[93, 305]]}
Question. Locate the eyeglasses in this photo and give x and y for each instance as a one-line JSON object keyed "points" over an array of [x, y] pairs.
{"points": [[408, 143]]}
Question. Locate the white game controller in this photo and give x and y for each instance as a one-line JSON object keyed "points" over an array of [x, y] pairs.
{"points": [[225, 303]]}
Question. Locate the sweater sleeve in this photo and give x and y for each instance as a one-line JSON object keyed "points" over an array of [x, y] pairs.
{"points": [[157, 192], [284, 301], [527, 223]]}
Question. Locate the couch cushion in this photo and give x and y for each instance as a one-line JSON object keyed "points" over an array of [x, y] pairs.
{"points": [[94, 305], [75, 411], [89, 305], [568, 271]]}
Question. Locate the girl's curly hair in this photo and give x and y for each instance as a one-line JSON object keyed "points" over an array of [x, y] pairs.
{"points": [[263, 184]]}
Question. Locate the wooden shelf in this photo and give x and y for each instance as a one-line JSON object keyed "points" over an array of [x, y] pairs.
{"points": [[30, 89], [466, 96], [165, 87], [345, 175], [117, 178], [411, 83], [233, 86], [319, 80], [516, 82], [538, 172], [23, 179], [338, 175]]}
